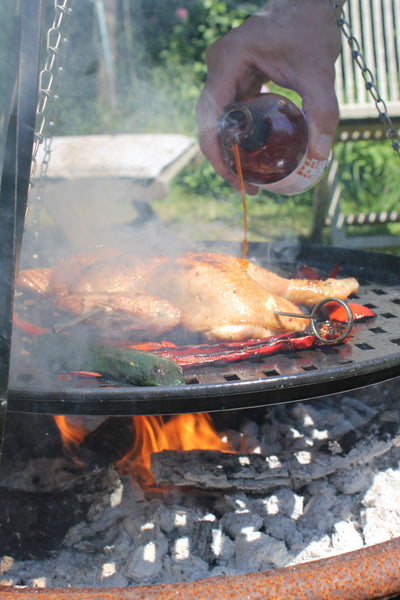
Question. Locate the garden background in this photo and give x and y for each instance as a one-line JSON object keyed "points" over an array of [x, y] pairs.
{"points": [[156, 53]]}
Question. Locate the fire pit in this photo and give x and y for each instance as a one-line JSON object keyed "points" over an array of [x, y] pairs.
{"points": [[262, 496], [304, 480]]}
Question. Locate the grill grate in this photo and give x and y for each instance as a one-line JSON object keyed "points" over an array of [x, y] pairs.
{"points": [[372, 354]]}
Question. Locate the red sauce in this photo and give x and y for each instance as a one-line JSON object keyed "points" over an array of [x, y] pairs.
{"points": [[241, 183]]}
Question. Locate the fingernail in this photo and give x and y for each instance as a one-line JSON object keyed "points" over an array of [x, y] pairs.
{"points": [[323, 145]]}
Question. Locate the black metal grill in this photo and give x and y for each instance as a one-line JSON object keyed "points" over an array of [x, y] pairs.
{"points": [[372, 354]]}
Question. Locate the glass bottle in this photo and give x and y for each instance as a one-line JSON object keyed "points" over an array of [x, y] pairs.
{"points": [[272, 137]]}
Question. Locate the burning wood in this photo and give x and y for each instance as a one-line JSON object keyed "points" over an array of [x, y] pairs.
{"points": [[213, 470], [253, 473], [147, 435]]}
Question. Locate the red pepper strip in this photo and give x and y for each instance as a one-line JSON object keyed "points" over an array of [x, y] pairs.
{"points": [[338, 313], [334, 272], [232, 351], [306, 272], [149, 346], [365, 574], [28, 328], [85, 374], [81, 374]]}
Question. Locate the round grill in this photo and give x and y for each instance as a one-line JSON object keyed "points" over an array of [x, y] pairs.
{"points": [[372, 353]]}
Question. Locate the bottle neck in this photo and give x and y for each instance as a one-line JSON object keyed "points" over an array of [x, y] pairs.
{"points": [[244, 127]]}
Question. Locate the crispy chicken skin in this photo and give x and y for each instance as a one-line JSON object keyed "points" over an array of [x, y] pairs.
{"points": [[103, 271], [116, 286], [108, 289], [220, 300], [219, 296], [34, 280]]}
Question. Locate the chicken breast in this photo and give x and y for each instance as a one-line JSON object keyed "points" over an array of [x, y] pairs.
{"points": [[218, 298]]}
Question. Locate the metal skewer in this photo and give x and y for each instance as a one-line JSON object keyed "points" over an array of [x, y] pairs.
{"points": [[60, 327], [314, 321]]}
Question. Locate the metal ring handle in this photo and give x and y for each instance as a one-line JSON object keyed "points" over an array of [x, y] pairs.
{"points": [[349, 325]]}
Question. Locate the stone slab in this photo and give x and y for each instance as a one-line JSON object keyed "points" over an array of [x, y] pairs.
{"points": [[141, 157]]}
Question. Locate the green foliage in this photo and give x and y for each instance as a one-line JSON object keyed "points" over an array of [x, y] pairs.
{"points": [[183, 30], [200, 178], [369, 175], [159, 65]]}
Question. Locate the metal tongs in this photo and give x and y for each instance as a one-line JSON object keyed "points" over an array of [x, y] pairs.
{"points": [[319, 321]]}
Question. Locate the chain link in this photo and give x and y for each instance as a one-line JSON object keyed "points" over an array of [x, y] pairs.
{"points": [[367, 76], [49, 80], [48, 86]]}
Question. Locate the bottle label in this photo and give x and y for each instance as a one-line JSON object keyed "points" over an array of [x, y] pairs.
{"points": [[306, 175]]}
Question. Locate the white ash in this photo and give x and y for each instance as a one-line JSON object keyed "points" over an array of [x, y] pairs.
{"points": [[330, 501]]}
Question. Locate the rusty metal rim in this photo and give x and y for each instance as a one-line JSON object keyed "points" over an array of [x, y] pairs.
{"points": [[366, 574]]}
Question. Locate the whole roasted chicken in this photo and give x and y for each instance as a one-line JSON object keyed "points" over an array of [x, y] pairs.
{"points": [[218, 296]]}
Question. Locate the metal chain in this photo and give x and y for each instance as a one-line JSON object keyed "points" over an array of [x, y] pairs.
{"points": [[49, 79], [48, 87], [367, 75]]}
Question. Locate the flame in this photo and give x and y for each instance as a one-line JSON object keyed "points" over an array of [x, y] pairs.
{"points": [[181, 432], [153, 434], [72, 431]]}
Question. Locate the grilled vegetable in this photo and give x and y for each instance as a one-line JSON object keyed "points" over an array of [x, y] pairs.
{"points": [[122, 364], [338, 313]]}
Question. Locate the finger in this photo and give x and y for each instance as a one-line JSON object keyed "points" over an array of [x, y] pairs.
{"points": [[254, 86], [321, 109]]}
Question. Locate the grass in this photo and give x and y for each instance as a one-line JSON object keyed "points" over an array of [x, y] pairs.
{"points": [[201, 202], [268, 219]]}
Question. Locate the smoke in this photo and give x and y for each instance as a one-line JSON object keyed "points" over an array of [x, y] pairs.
{"points": [[282, 252]]}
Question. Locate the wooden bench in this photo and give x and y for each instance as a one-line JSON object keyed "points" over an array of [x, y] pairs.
{"points": [[376, 25]]}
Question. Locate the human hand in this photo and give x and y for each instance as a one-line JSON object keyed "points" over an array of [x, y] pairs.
{"points": [[293, 43]]}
